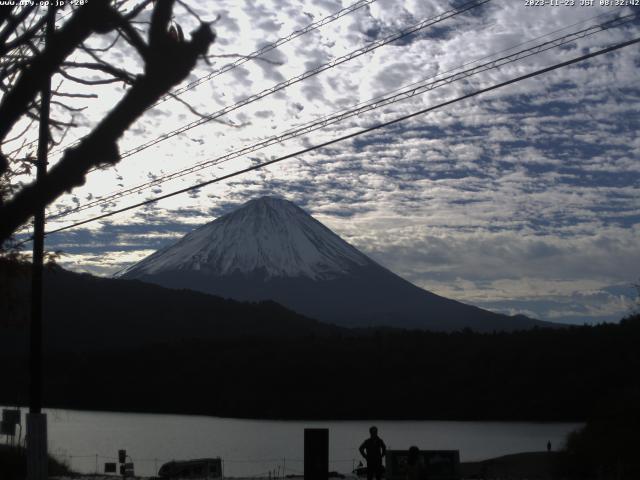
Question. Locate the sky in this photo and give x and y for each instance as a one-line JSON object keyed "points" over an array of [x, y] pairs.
{"points": [[521, 200]]}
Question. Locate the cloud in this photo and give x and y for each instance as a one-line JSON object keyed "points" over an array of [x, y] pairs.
{"points": [[521, 200]]}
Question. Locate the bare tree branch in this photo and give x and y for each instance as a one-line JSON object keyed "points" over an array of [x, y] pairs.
{"points": [[202, 115], [26, 129], [103, 67], [75, 95], [5, 13], [132, 37], [167, 63], [189, 10], [86, 20], [101, 49], [68, 107], [82, 81], [137, 9], [13, 22], [24, 37]]}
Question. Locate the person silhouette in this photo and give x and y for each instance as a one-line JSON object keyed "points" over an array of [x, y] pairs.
{"points": [[549, 446], [373, 449]]}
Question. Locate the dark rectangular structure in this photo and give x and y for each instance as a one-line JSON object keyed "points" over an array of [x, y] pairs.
{"points": [[128, 470], [438, 464], [11, 416], [210, 468], [7, 428], [316, 454]]}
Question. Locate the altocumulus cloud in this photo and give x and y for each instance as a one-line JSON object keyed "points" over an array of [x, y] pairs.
{"points": [[524, 200]]}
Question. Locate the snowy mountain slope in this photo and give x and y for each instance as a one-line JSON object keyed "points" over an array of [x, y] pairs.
{"points": [[269, 249], [269, 235]]}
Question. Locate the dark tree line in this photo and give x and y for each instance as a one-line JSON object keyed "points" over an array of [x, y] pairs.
{"points": [[541, 374]]}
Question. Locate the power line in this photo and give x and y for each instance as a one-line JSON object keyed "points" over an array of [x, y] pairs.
{"points": [[251, 56], [361, 51], [356, 134], [309, 73], [471, 62], [268, 48], [379, 102], [335, 62]]}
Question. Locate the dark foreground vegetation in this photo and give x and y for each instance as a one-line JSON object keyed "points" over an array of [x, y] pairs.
{"points": [[607, 446], [13, 464]]}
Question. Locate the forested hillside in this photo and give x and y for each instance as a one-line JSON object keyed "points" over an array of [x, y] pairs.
{"points": [[542, 374]]}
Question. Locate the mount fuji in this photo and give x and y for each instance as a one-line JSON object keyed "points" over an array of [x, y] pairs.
{"points": [[270, 249]]}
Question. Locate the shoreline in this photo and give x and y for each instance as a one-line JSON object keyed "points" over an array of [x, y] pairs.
{"points": [[298, 419], [516, 466]]}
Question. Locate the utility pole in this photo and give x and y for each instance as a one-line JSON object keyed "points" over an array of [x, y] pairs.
{"points": [[37, 455]]}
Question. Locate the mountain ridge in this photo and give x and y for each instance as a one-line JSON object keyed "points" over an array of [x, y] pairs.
{"points": [[107, 313], [268, 248]]}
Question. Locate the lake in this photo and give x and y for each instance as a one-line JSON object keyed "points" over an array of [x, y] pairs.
{"points": [[254, 447]]}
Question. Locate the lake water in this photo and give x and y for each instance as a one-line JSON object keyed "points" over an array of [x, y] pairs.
{"points": [[254, 447]]}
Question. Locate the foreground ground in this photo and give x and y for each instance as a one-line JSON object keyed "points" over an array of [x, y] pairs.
{"points": [[520, 466], [530, 465]]}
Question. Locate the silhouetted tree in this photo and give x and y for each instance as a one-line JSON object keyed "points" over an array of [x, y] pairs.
{"points": [[606, 447], [167, 58]]}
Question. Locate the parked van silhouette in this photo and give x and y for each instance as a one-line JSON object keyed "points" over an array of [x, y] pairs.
{"points": [[209, 468]]}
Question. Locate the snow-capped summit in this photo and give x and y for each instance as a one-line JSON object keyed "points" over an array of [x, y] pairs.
{"points": [[268, 234], [269, 249]]}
